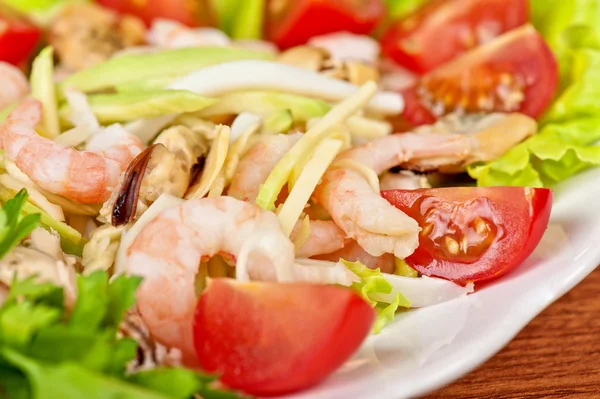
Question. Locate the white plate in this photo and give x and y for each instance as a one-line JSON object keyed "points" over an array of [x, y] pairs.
{"points": [[428, 348]]}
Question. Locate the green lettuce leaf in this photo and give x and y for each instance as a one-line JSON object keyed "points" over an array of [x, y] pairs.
{"points": [[372, 282], [566, 142], [129, 106], [47, 351]]}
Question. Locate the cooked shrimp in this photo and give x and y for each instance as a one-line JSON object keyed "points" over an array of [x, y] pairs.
{"points": [[83, 176], [325, 237], [169, 249], [353, 252], [405, 180], [345, 46], [172, 34], [495, 134], [13, 84], [360, 212], [259, 161]]}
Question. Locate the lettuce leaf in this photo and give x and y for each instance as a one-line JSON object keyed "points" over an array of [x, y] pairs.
{"points": [[372, 282], [570, 128], [48, 351]]}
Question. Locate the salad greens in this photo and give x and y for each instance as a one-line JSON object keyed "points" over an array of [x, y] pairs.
{"points": [[71, 240], [13, 225], [372, 282], [129, 106], [161, 65], [49, 351], [565, 144]]}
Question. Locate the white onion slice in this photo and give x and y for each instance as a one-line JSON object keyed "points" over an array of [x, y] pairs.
{"points": [[423, 291], [242, 123], [216, 80]]}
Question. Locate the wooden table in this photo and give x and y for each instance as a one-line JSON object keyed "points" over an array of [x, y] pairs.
{"points": [[556, 356]]}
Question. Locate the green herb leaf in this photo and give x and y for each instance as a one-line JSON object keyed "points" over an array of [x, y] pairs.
{"points": [[13, 226]]}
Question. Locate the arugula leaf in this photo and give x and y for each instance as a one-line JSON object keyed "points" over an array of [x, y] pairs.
{"points": [[372, 282], [13, 226]]}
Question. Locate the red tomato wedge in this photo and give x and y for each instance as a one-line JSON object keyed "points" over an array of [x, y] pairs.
{"points": [[293, 22], [515, 72], [189, 12], [18, 37], [271, 339], [442, 29], [474, 233]]}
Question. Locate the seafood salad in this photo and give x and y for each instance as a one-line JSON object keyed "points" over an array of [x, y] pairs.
{"points": [[226, 199]]}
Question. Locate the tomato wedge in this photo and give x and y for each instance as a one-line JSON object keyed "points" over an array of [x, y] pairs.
{"points": [[293, 22], [442, 29], [189, 12], [18, 37], [271, 339], [515, 72], [474, 233]]}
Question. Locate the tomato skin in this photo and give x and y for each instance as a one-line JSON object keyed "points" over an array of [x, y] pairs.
{"points": [[522, 215], [188, 12], [302, 19], [18, 37], [271, 339], [515, 72], [441, 30]]}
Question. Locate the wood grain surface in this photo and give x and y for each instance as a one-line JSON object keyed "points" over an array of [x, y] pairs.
{"points": [[556, 356]]}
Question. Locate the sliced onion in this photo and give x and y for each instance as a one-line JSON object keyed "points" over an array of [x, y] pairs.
{"points": [[322, 272], [242, 123], [423, 291], [228, 77]]}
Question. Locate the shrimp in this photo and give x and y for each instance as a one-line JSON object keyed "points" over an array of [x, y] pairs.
{"points": [[253, 170], [378, 226], [259, 161], [353, 252], [171, 34], [168, 251], [13, 84], [83, 176], [405, 180], [343, 46], [325, 237], [362, 213]]}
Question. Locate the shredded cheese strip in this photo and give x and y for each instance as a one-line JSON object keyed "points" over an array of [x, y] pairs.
{"points": [[366, 172], [281, 172], [213, 166], [367, 128], [307, 182], [243, 132]]}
